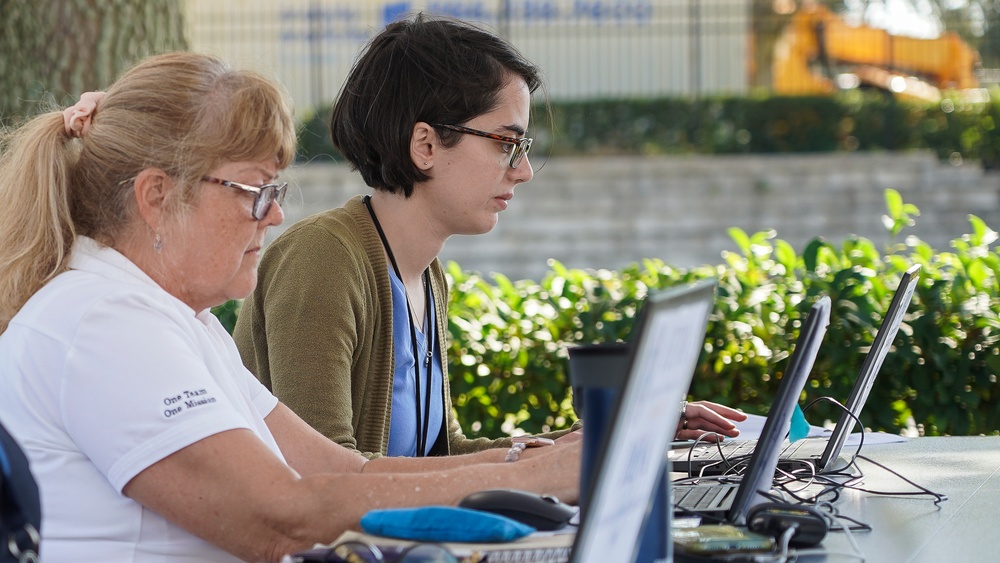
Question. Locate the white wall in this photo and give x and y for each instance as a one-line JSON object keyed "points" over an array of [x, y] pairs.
{"points": [[609, 211]]}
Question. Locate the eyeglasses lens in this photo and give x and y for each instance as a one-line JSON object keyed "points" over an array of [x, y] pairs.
{"points": [[268, 194], [261, 206], [520, 150], [427, 553], [357, 552]]}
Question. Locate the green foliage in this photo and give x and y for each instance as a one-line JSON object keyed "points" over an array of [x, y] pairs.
{"points": [[509, 339], [314, 137], [227, 313], [851, 121]]}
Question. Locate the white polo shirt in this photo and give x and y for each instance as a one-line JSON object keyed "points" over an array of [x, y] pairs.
{"points": [[103, 374]]}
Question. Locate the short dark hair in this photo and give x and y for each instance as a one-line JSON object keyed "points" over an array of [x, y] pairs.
{"points": [[430, 69]]}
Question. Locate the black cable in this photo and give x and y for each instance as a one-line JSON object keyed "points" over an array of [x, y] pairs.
{"points": [[921, 490], [857, 423], [830, 485], [718, 444], [834, 516], [938, 497]]}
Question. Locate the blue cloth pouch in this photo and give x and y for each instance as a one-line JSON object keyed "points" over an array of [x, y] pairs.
{"points": [[443, 524]]}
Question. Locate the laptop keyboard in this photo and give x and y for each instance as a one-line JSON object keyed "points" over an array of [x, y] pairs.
{"points": [[729, 450], [541, 555], [701, 497]]}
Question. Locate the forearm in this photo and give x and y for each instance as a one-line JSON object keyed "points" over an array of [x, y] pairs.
{"points": [[355, 495], [229, 490], [552, 470], [440, 463], [402, 465]]}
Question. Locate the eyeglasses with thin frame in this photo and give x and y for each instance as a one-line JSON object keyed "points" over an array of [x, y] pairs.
{"points": [[264, 195], [520, 146]]}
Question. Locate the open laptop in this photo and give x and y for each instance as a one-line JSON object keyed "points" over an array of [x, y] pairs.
{"points": [[665, 352], [729, 502], [822, 453], [665, 345]]}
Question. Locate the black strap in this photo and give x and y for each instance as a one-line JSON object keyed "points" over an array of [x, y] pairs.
{"points": [[20, 510], [423, 422]]}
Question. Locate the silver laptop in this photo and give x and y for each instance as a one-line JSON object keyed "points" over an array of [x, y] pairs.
{"points": [[729, 502], [823, 453]]}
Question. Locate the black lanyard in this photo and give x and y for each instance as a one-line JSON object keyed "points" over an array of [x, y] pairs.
{"points": [[431, 340]]}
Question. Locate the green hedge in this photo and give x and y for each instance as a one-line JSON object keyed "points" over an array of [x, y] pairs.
{"points": [[851, 121], [508, 358], [509, 339]]}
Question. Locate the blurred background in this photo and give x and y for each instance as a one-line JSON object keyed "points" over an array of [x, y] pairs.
{"points": [[589, 49], [598, 49], [763, 114]]}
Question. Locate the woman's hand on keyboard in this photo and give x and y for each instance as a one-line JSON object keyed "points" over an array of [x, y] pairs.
{"points": [[705, 417]]}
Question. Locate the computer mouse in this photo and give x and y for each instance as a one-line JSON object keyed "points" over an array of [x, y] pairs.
{"points": [[542, 512]]}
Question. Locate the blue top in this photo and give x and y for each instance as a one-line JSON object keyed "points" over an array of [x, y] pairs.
{"points": [[403, 423]]}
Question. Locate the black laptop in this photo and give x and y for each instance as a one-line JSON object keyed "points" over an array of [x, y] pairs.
{"points": [[821, 453], [730, 501], [632, 457]]}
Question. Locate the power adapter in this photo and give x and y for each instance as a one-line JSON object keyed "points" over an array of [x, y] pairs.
{"points": [[775, 518]]}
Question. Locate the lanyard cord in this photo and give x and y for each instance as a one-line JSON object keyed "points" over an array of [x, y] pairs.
{"points": [[421, 429]]}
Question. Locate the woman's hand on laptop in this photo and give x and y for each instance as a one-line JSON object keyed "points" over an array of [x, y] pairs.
{"points": [[705, 417]]}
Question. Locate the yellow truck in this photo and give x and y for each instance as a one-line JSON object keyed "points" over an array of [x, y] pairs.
{"points": [[819, 53]]}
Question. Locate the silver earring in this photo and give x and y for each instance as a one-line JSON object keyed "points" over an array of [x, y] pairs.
{"points": [[158, 244]]}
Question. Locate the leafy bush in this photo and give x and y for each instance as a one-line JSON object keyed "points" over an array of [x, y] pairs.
{"points": [[227, 313], [849, 121], [314, 142], [509, 339]]}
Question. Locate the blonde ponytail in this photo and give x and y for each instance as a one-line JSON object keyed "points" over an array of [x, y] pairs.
{"points": [[36, 229], [184, 113]]}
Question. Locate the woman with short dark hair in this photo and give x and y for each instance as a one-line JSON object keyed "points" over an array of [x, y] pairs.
{"points": [[434, 117], [349, 324]]}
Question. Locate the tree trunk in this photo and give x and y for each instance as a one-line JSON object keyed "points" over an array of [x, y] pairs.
{"points": [[51, 51]]}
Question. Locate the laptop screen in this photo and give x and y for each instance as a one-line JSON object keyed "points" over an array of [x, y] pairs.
{"points": [[764, 460], [870, 367], [666, 343]]}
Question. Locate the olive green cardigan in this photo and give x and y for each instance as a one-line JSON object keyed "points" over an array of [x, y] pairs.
{"points": [[317, 331]]}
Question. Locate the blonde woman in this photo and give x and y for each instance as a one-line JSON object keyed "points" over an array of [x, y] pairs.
{"points": [[125, 219]]}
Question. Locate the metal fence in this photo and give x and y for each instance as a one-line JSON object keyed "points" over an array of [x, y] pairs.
{"points": [[587, 48]]}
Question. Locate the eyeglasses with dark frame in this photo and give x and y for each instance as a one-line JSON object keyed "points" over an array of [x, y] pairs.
{"points": [[357, 551], [517, 154], [264, 195]]}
